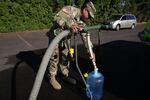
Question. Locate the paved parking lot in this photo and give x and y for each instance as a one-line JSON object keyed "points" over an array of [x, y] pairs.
{"points": [[17, 79]]}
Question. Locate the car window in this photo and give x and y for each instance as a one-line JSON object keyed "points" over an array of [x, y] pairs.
{"points": [[130, 17], [123, 18], [115, 17]]}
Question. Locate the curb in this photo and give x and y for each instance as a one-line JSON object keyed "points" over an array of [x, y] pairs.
{"points": [[141, 23]]}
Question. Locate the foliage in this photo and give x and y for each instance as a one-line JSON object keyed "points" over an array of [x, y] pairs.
{"points": [[19, 15], [143, 10]]}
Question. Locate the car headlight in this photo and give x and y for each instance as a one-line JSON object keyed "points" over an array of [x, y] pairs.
{"points": [[111, 23]]}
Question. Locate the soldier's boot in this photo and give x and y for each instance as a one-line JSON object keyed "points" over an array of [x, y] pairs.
{"points": [[66, 77], [54, 82]]}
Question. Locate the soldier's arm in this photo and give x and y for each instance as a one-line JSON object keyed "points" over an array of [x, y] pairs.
{"points": [[66, 18]]}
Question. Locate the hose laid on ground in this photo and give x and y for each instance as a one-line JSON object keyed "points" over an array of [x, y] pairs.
{"points": [[44, 63]]}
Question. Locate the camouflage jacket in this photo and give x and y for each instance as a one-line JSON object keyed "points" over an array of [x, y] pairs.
{"points": [[68, 16]]}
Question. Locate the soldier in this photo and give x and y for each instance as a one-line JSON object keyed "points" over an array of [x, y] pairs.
{"points": [[71, 18]]}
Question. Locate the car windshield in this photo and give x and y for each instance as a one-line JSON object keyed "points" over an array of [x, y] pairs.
{"points": [[115, 17]]}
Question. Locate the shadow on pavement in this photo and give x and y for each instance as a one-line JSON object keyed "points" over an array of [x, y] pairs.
{"points": [[124, 65], [28, 57], [33, 60]]}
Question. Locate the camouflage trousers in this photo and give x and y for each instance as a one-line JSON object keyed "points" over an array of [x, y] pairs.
{"points": [[59, 59]]}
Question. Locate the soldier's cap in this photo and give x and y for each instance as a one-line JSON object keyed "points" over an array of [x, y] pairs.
{"points": [[91, 8]]}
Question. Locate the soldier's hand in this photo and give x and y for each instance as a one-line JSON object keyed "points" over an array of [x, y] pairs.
{"points": [[74, 28]]}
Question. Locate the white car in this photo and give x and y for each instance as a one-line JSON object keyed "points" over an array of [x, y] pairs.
{"points": [[119, 21]]}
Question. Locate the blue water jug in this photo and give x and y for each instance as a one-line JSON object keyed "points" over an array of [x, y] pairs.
{"points": [[95, 81]]}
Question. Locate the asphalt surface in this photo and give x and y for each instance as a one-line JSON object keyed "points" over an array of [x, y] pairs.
{"points": [[17, 78], [13, 43]]}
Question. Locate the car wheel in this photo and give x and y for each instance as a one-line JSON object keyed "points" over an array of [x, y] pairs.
{"points": [[118, 27], [132, 26]]}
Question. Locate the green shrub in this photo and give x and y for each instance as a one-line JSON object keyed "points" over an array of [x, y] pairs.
{"points": [[19, 15]]}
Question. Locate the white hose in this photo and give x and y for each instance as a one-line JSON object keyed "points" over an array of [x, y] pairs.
{"points": [[45, 60], [44, 63], [90, 50]]}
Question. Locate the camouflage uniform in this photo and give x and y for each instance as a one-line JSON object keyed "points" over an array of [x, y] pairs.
{"points": [[64, 19]]}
